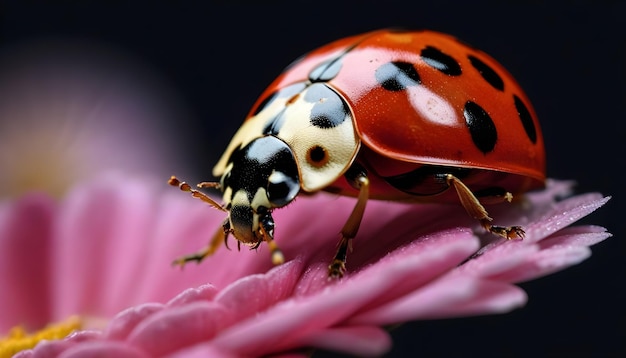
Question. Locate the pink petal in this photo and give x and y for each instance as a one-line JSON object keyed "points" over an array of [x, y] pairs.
{"points": [[516, 261], [179, 326], [89, 232], [129, 240], [25, 232], [103, 349], [181, 226], [125, 322], [203, 293], [279, 327], [425, 274], [564, 213], [116, 218], [554, 189], [435, 254], [587, 235], [255, 293], [499, 259], [362, 341], [203, 350], [546, 262], [559, 257], [51, 349], [453, 296], [45, 349]]}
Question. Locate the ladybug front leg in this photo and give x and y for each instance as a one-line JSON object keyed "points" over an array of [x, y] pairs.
{"points": [[338, 266], [221, 235], [476, 210]]}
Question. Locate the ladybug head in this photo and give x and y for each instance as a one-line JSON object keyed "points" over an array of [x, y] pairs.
{"points": [[261, 176]]}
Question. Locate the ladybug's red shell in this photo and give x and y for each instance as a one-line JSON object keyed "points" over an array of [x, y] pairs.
{"points": [[424, 97]]}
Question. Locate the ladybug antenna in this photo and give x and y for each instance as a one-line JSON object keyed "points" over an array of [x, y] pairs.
{"points": [[173, 181]]}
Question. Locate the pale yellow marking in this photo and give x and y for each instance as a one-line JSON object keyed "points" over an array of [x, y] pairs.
{"points": [[341, 144]]}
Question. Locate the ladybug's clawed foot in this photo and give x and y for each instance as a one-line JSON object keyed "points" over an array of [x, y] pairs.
{"points": [[277, 255], [358, 177], [336, 269], [197, 257], [507, 232], [221, 235], [476, 210]]}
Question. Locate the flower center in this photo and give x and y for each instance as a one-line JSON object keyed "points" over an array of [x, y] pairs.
{"points": [[18, 339]]}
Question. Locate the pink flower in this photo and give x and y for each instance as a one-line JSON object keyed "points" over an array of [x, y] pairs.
{"points": [[71, 110], [107, 247]]}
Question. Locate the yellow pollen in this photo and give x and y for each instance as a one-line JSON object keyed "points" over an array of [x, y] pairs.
{"points": [[18, 339]]}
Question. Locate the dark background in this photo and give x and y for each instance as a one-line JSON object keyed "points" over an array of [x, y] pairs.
{"points": [[570, 58]]}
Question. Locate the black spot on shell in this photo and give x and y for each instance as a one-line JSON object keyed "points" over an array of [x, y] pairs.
{"points": [[481, 127], [329, 109], [264, 103], [441, 61], [292, 90], [317, 154], [326, 70], [288, 91], [488, 73], [526, 118], [272, 127], [396, 76]]}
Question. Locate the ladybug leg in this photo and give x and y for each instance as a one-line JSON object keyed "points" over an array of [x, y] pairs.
{"points": [[266, 228], [220, 236], [476, 210], [338, 266]]}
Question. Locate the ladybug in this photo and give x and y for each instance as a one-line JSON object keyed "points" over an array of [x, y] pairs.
{"points": [[412, 116]]}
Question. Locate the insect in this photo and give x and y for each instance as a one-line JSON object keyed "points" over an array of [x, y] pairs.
{"points": [[411, 116]]}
